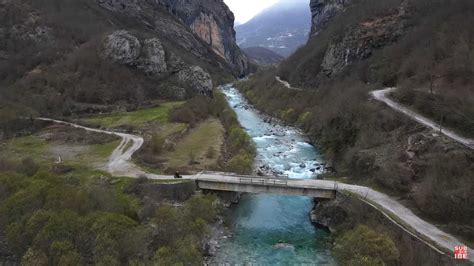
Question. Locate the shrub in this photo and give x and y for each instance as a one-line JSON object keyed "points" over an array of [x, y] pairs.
{"points": [[34, 258], [192, 156], [211, 152], [183, 115], [446, 187], [363, 246], [157, 143], [28, 167], [241, 164], [239, 140], [193, 111]]}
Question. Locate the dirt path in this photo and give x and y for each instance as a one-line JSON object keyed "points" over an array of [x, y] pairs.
{"points": [[286, 84], [381, 95], [397, 213], [120, 162], [407, 220], [392, 209], [120, 165]]}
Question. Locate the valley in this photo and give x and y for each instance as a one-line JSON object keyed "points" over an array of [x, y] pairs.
{"points": [[129, 131], [121, 159]]}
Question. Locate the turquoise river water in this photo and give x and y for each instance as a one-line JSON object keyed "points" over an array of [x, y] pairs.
{"points": [[274, 229]]}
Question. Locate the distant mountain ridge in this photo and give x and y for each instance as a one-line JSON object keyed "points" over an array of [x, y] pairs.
{"points": [[262, 56], [281, 28]]}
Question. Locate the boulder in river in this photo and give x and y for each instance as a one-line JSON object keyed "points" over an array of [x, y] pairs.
{"points": [[284, 246]]}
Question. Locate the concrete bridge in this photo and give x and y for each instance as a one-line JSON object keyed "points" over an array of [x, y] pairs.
{"points": [[120, 165], [217, 181], [325, 189]]}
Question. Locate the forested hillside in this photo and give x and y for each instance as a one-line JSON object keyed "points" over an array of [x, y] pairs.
{"points": [[425, 48], [72, 57], [139, 66]]}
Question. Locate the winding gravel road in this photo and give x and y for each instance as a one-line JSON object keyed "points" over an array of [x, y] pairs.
{"points": [[408, 221], [286, 84], [120, 161], [381, 95], [405, 218], [120, 164], [425, 232]]}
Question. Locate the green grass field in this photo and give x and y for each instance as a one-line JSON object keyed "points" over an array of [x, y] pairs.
{"points": [[46, 152], [136, 118], [29, 146], [195, 145], [98, 154]]}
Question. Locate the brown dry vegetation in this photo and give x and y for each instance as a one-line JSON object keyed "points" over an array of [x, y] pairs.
{"points": [[371, 143], [206, 144], [59, 71]]}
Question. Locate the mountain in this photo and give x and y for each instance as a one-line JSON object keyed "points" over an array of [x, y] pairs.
{"points": [[63, 57], [262, 56], [281, 28], [422, 48]]}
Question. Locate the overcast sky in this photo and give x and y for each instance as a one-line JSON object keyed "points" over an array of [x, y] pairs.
{"points": [[244, 10]]}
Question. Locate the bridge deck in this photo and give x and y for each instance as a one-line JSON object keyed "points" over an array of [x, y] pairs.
{"points": [[273, 185]]}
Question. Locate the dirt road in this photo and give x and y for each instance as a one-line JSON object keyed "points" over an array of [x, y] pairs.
{"points": [[381, 95], [120, 161]]}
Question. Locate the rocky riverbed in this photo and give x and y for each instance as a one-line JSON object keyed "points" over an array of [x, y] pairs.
{"points": [[269, 229]]}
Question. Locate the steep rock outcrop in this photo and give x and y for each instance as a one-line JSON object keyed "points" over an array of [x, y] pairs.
{"points": [[32, 29], [153, 59], [210, 21], [175, 63], [196, 79], [329, 214], [205, 26], [323, 10], [149, 56], [122, 47], [360, 41], [121, 6]]}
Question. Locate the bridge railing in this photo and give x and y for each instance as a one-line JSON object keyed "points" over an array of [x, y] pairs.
{"points": [[274, 177], [263, 181]]}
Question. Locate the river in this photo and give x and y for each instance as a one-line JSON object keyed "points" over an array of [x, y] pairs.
{"points": [[274, 229]]}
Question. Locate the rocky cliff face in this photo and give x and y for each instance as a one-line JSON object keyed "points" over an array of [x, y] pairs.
{"points": [[210, 21], [357, 42], [323, 10], [151, 58], [361, 40]]}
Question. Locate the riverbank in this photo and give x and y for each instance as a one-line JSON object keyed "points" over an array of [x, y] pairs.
{"points": [[341, 215], [361, 152], [271, 229]]}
